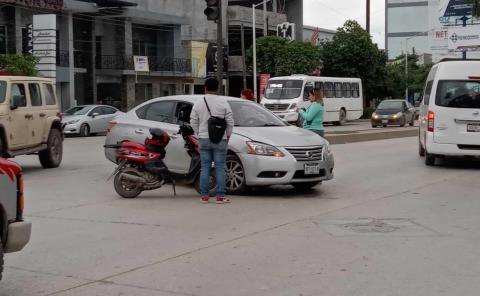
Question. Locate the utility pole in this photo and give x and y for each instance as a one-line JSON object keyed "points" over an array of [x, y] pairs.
{"points": [[220, 47], [265, 28], [368, 17], [244, 66]]}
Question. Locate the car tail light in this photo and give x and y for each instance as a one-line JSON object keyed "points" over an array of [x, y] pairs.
{"points": [[20, 198], [111, 124], [431, 121], [474, 77]]}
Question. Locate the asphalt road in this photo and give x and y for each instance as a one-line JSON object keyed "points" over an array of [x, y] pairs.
{"points": [[386, 225]]}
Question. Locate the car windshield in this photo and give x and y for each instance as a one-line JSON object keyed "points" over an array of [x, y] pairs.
{"points": [[3, 91], [395, 105], [283, 89], [80, 110], [249, 114], [458, 94]]}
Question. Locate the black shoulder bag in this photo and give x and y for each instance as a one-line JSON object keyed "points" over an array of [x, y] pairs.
{"points": [[216, 126]]}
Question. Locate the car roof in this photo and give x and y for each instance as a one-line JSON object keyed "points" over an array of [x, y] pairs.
{"points": [[25, 78], [189, 98]]}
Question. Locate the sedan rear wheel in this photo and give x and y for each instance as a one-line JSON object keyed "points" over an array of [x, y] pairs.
{"points": [[235, 176]]}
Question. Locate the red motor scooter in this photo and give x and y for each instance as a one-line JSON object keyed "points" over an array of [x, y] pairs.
{"points": [[140, 166]]}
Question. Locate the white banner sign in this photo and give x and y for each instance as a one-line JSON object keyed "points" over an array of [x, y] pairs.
{"points": [[141, 64], [464, 38], [44, 44]]}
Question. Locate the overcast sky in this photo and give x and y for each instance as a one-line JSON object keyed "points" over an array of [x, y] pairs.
{"points": [[331, 14]]}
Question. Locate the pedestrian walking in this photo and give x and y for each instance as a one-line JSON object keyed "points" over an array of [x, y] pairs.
{"points": [[212, 121], [313, 115], [247, 94]]}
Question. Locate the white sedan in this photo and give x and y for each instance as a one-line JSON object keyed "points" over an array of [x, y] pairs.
{"points": [[263, 149]]}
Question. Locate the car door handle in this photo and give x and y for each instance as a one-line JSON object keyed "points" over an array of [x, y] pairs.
{"points": [[28, 116], [139, 131], [43, 114]]}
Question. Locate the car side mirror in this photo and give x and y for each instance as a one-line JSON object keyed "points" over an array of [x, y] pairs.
{"points": [[95, 114], [17, 101]]}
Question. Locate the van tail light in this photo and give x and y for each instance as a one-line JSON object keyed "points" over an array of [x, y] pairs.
{"points": [[431, 121], [20, 198], [111, 125]]}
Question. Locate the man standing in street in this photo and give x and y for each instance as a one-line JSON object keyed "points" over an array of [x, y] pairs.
{"points": [[212, 106]]}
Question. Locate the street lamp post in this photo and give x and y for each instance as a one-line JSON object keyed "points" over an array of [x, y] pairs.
{"points": [[254, 29]]}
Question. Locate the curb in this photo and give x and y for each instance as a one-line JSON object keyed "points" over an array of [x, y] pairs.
{"points": [[373, 136]]}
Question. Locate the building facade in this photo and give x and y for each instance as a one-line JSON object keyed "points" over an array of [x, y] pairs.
{"points": [[98, 39], [323, 34], [406, 27]]}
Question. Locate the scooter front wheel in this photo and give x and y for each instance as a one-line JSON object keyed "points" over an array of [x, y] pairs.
{"points": [[212, 186], [126, 188]]}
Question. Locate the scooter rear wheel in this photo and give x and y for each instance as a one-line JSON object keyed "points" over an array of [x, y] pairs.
{"points": [[126, 188]]}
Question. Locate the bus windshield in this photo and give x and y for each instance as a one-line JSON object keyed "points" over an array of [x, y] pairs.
{"points": [[283, 89]]}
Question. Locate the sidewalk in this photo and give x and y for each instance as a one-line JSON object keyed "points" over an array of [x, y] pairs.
{"points": [[361, 130]]}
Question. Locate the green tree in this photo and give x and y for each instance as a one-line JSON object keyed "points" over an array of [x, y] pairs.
{"points": [[417, 74], [351, 53], [16, 64], [278, 56], [476, 7]]}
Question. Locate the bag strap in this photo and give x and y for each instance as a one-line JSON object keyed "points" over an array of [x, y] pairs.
{"points": [[208, 108]]}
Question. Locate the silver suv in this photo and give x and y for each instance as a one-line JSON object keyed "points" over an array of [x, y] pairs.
{"points": [[30, 120]]}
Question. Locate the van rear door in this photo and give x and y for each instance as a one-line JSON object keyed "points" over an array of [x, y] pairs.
{"points": [[457, 112]]}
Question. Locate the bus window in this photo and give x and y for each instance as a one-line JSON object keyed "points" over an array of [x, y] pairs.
{"points": [[338, 89], [328, 89], [308, 87], [355, 90], [319, 87], [347, 90]]}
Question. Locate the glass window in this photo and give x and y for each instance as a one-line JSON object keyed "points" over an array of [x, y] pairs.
{"points": [[49, 94], [3, 91], [338, 90], [428, 92], [158, 111], [109, 110], [355, 90], [35, 94], [329, 89], [19, 98], [390, 105], [250, 114], [458, 94], [182, 112], [79, 110], [347, 90], [319, 87], [3, 40], [98, 110], [283, 89]]}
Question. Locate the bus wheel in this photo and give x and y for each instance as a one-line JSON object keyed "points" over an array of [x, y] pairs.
{"points": [[342, 117]]}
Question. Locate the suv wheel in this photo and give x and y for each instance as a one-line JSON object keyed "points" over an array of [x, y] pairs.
{"points": [[1, 147], [52, 156]]}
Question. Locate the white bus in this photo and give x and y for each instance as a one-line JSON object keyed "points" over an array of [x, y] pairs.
{"points": [[343, 97]]}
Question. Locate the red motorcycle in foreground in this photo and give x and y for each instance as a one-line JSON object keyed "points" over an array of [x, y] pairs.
{"points": [[141, 167]]}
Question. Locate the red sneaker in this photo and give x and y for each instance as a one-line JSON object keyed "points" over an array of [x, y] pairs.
{"points": [[222, 200], [205, 199]]}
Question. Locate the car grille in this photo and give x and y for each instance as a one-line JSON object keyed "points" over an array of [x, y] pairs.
{"points": [[306, 153], [277, 107]]}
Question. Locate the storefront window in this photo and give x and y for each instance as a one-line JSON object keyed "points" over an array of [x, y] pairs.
{"points": [[3, 40]]}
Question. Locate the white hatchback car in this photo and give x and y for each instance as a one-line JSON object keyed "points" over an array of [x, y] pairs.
{"points": [[263, 150], [450, 111]]}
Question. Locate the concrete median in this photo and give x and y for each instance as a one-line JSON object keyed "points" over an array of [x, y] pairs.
{"points": [[369, 135]]}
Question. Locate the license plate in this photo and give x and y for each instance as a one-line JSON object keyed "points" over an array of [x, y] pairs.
{"points": [[312, 169], [473, 128], [385, 121]]}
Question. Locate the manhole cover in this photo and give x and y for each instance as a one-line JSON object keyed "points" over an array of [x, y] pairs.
{"points": [[375, 225]]}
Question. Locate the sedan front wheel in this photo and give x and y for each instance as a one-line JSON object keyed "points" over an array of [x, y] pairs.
{"points": [[235, 176]]}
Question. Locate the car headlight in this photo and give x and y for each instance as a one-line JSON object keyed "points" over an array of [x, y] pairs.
{"points": [[263, 149], [374, 115], [292, 106], [399, 114], [327, 149], [72, 121]]}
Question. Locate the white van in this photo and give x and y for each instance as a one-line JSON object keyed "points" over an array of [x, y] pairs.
{"points": [[343, 97], [450, 111]]}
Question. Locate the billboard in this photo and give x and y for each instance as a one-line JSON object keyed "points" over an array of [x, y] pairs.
{"points": [[464, 38], [199, 59]]}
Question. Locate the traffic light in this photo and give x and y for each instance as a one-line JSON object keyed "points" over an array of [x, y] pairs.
{"points": [[213, 10]]}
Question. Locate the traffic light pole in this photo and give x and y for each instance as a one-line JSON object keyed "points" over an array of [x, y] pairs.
{"points": [[220, 48], [254, 34]]}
